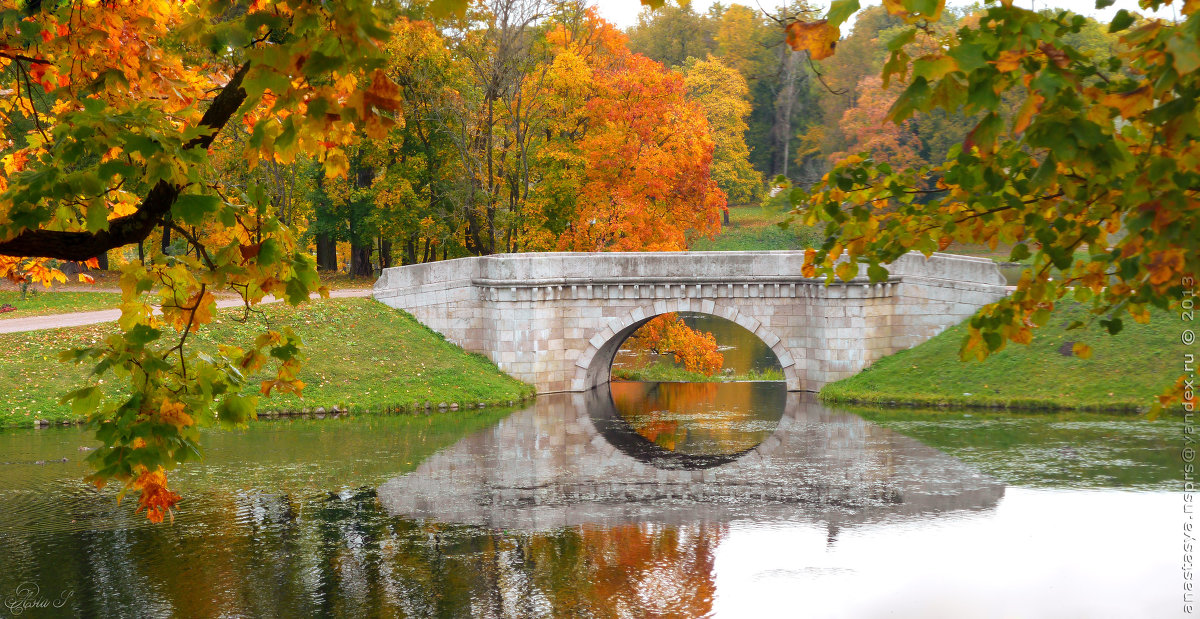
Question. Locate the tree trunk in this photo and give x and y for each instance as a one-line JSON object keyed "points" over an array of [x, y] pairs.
{"points": [[410, 249], [785, 99], [102, 261], [385, 253], [360, 260], [166, 241], [326, 252]]}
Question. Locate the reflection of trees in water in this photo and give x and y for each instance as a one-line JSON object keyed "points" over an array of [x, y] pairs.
{"points": [[340, 556], [638, 570], [718, 417]]}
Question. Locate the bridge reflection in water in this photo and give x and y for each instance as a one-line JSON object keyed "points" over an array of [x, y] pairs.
{"points": [[575, 460]]}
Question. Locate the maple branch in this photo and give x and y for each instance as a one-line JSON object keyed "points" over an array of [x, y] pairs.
{"points": [[135, 227], [29, 59], [191, 238]]}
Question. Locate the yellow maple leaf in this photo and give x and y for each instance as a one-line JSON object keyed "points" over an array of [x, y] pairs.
{"points": [[1031, 107], [819, 38], [336, 164], [1009, 60], [847, 271], [1131, 103], [196, 311], [172, 413]]}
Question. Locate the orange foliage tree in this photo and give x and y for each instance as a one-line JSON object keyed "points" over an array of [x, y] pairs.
{"points": [[867, 126], [668, 334], [629, 156]]}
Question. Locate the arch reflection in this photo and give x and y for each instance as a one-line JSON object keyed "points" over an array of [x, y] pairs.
{"points": [[686, 425]]}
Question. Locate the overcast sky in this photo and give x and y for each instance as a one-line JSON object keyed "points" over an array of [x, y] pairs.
{"points": [[624, 13]]}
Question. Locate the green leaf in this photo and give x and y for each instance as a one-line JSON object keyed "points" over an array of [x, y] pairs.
{"points": [[1114, 326], [297, 292], [928, 8], [934, 68], [877, 273], [1044, 174], [97, 216], [840, 11], [911, 100], [269, 252], [192, 208], [970, 56], [141, 334], [1020, 251], [1120, 21], [237, 409], [320, 64], [902, 39], [83, 401]]}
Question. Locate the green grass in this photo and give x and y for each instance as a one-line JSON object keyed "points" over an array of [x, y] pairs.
{"points": [[1125, 372], [361, 355], [753, 228], [43, 303], [667, 372]]}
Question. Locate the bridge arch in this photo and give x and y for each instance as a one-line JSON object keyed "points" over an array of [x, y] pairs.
{"points": [[594, 366]]}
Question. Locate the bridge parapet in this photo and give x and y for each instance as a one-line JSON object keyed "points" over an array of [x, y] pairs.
{"points": [[556, 319]]}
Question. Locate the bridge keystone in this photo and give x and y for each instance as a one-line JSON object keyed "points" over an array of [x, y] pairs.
{"points": [[555, 320]]}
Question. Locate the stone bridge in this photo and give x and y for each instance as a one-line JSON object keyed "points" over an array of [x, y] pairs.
{"points": [[555, 320]]}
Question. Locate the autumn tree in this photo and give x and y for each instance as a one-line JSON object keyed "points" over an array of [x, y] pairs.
{"points": [[722, 92], [1093, 145], [668, 334], [111, 110], [672, 34], [626, 164], [646, 184], [866, 127]]}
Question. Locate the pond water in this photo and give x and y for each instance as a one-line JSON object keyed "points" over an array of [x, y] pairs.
{"points": [[646, 500]]}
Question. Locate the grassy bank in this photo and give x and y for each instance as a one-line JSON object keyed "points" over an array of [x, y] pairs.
{"points": [[667, 372], [1125, 372], [43, 303], [361, 356], [754, 228]]}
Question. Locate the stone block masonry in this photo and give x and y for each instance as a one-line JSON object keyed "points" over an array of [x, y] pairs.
{"points": [[556, 320]]}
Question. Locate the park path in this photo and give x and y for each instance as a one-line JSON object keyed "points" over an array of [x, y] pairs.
{"points": [[75, 319]]}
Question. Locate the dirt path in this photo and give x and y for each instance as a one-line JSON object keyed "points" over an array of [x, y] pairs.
{"points": [[75, 319]]}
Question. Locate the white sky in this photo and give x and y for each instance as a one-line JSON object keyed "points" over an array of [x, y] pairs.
{"points": [[624, 13]]}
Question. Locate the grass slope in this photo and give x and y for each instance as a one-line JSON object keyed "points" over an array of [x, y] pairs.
{"points": [[362, 355], [753, 228], [1125, 372], [46, 303]]}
